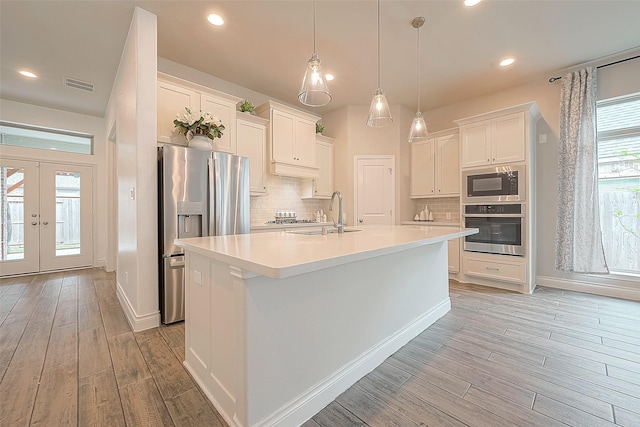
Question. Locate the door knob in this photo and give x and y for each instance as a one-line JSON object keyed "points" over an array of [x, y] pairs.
{"points": [[360, 221], [45, 222]]}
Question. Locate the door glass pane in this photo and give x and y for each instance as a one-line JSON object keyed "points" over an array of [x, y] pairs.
{"points": [[67, 213], [12, 212]]}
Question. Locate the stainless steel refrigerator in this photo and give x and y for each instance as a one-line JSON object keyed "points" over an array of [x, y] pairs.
{"points": [[200, 193]]}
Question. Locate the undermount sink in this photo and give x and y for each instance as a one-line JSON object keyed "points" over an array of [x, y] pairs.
{"points": [[316, 232]]}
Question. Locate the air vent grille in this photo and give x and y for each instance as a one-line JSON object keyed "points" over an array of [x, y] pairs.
{"points": [[78, 84]]}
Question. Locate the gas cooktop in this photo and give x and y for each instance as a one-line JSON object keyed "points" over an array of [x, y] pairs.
{"points": [[291, 221]]}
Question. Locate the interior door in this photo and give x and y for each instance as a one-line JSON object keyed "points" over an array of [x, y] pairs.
{"points": [[46, 212], [19, 210], [375, 190]]}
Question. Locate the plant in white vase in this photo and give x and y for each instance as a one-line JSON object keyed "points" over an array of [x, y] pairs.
{"points": [[191, 123]]}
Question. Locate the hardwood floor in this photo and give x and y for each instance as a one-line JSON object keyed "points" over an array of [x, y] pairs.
{"points": [[68, 357]]}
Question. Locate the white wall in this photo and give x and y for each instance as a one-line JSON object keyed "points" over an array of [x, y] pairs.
{"points": [[353, 137], [57, 119], [547, 96], [132, 108]]}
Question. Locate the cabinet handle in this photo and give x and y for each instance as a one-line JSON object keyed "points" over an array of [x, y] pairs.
{"points": [[45, 222], [34, 223], [493, 268]]}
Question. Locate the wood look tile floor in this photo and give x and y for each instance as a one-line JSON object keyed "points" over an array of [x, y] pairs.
{"points": [[554, 358]]}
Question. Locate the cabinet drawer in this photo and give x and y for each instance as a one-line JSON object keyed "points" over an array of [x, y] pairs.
{"points": [[498, 270]]}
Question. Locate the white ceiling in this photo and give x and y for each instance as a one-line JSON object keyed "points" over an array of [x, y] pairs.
{"points": [[264, 45]]}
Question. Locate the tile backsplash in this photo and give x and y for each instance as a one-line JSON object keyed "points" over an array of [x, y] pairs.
{"points": [[440, 206], [284, 193]]}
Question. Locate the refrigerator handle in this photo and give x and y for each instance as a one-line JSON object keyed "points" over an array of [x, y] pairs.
{"points": [[214, 196]]}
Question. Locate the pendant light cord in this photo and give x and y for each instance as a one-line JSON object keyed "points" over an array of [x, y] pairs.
{"points": [[314, 27], [378, 44], [418, 68]]}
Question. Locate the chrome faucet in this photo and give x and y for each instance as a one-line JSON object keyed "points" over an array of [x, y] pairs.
{"points": [[340, 223]]}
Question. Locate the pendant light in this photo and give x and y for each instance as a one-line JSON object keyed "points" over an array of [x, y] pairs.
{"points": [[314, 91], [379, 112], [418, 131]]}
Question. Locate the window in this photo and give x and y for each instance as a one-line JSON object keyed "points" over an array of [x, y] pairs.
{"points": [[45, 139], [618, 125]]}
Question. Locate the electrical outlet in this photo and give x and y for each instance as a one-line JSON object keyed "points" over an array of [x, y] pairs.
{"points": [[542, 138], [448, 215]]}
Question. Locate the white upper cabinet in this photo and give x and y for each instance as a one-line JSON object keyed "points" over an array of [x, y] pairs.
{"points": [[495, 141], [251, 135], [225, 109], [175, 94], [323, 186], [435, 166], [171, 100], [292, 141]]}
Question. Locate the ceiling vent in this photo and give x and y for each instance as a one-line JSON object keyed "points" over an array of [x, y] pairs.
{"points": [[78, 84]]}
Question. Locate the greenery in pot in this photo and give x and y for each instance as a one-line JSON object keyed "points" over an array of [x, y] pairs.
{"points": [[247, 106], [319, 128], [191, 123]]}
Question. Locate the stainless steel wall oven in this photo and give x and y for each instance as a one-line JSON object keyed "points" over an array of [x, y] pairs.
{"points": [[502, 229]]}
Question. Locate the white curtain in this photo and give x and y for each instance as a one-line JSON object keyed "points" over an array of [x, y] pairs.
{"points": [[578, 236]]}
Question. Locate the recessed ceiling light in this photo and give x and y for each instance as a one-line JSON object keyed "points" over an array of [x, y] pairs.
{"points": [[329, 77], [470, 3], [28, 74], [215, 19], [506, 62]]}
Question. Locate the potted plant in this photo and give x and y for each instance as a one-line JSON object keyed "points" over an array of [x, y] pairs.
{"points": [[246, 106], [319, 128], [192, 124]]}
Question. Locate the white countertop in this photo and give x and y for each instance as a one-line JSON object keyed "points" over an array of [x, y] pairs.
{"points": [[283, 254]]}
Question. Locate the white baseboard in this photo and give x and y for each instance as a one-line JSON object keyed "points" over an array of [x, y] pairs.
{"points": [[316, 398], [138, 323], [605, 289]]}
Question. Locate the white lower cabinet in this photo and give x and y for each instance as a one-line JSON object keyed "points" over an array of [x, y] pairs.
{"points": [[252, 143], [495, 267]]}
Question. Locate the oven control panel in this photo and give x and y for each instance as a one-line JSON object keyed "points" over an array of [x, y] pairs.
{"points": [[506, 209]]}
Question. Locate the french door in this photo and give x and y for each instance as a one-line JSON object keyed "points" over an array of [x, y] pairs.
{"points": [[46, 212]]}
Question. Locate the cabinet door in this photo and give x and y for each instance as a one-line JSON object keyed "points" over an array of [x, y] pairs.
{"points": [[282, 137], [171, 100], [305, 143], [448, 166], [251, 143], [475, 143], [226, 111], [453, 247], [422, 169], [323, 186], [509, 139]]}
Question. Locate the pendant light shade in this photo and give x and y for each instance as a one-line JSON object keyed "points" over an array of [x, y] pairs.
{"points": [[418, 131], [379, 112], [314, 91]]}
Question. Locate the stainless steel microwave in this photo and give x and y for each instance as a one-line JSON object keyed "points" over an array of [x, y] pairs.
{"points": [[496, 184]]}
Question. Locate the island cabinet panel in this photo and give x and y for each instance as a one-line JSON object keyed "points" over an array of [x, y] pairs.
{"points": [[252, 143], [454, 255], [275, 349], [292, 142]]}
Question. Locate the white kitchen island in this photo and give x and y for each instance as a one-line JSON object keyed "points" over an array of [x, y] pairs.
{"points": [[279, 324]]}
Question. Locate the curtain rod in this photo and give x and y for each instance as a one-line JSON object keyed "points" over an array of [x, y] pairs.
{"points": [[553, 79]]}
